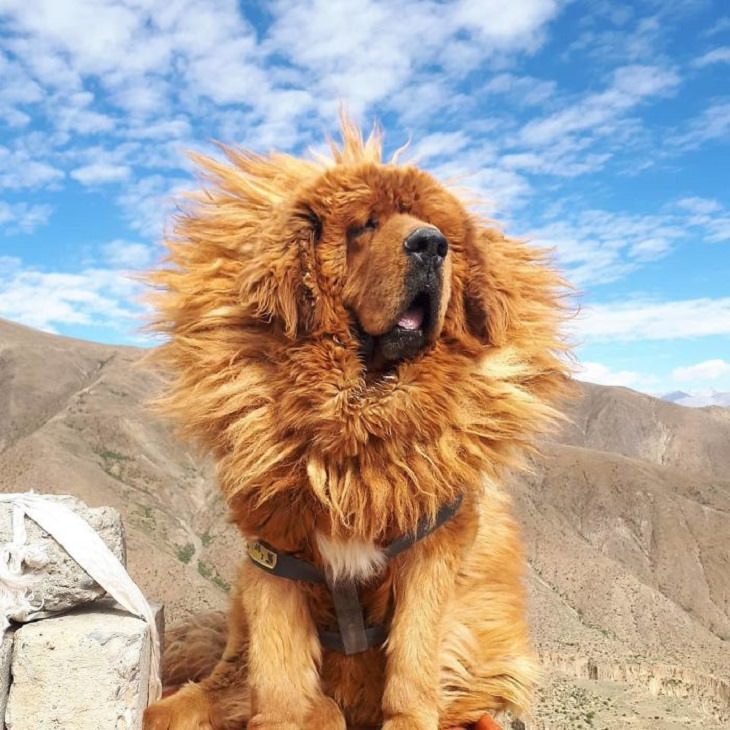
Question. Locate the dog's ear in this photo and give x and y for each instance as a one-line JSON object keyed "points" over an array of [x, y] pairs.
{"points": [[277, 284], [486, 309], [243, 224], [510, 289], [270, 289]]}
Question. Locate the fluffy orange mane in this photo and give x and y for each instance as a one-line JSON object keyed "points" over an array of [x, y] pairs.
{"points": [[266, 372]]}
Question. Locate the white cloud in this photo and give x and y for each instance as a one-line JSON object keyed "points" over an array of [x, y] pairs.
{"points": [[498, 189], [101, 172], [599, 113], [559, 160], [18, 169], [712, 124], [165, 129], [365, 51], [587, 129], [648, 320], [141, 98], [147, 58], [708, 215], [492, 189], [148, 202], [717, 55], [145, 55], [596, 372], [23, 217], [702, 371], [231, 75], [629, 36], [17, 89], [699, 206], [720, 26], [524, 90], [599, 246], [74, 113], [128, 254], [437, 145], [356, 51], [64, 27], [150, 68], [502, 23], [163, 64], [99, 297], [421, 98]]}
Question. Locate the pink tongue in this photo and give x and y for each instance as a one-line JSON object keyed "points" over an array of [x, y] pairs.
{"points": [[412, 319]]}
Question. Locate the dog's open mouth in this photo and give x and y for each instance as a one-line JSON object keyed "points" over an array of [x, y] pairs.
{"points": [[415, 317], [411, 332]]}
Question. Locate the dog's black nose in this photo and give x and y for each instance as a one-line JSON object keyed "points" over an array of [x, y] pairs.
{"points": [[427, 244]]}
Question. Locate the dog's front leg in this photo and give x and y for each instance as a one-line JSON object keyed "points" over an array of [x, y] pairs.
{"points": [[284, 655], [424, 585]]}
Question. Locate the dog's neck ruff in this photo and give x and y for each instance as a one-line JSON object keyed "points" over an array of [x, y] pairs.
{"points": [[352, 636]]}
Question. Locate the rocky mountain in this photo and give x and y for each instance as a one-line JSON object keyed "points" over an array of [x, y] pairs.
{"points": [[675, 396], [629, 576], [622, 421], [698, 400], [626, 521]]}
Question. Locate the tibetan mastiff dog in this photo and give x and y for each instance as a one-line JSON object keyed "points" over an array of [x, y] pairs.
{"points": [[365, 359]]}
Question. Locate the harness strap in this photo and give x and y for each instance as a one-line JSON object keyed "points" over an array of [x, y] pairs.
{"points": [[283, 565], [353, 636], [375, 635], [350, 619], [424, 528]]}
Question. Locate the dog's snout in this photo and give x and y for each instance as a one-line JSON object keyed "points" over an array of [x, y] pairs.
{"points": [[427, 244]]}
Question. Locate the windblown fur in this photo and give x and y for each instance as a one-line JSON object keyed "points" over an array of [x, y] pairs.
{"points": [[267, 373]]}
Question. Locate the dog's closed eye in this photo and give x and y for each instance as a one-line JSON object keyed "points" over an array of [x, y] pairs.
{"points": [[314, 222], [371, 224]]}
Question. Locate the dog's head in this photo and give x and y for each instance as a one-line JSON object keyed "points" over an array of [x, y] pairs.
{"points": [[379, 259], [379, 256], [323, 313]]}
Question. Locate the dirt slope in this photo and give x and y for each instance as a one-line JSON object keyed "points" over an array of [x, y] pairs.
{"points": [[626, 522], [73, 421], [622, 421]]}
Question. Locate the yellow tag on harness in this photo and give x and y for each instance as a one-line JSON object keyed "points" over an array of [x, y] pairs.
{"points": [[262, 555]]}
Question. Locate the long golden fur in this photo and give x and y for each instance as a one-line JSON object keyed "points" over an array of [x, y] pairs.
{"points": [[278, 272]]}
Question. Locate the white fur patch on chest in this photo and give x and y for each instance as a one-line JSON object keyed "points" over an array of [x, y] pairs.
{"points": [[353, 558]]}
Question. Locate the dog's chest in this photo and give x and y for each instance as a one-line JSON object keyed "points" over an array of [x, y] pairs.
{"points": [[352, 558]]}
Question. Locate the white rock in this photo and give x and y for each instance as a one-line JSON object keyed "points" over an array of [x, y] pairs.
{"points": [[87, 670], [60, 584], [6, 651]]}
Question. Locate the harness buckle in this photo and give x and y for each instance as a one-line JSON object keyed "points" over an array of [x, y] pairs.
{"points": [[262, 555]]}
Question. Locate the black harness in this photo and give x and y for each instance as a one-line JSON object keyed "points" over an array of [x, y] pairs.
{"points": [[352, 636]]}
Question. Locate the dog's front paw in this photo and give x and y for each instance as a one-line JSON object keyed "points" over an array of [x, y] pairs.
{"points": [[268, 722], [409, 722], [187, 709], [325, 715]]}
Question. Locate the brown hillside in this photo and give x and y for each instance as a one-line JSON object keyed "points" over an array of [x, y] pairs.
{"points": [[626, 522], [73, 421], [625, 422]]}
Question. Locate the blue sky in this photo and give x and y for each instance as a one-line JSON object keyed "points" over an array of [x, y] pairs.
{"points": [[599, 128]]}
